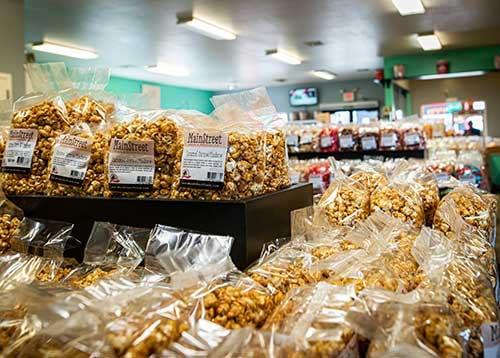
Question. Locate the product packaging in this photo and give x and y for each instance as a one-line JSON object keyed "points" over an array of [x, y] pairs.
{"points": [[38, 119], [369, 137], [10, 219], [345, 202], [348, 138], [390, 137]]}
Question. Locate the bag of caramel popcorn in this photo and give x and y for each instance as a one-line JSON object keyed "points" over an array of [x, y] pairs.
{"points": [[469, 205], [111, 250], [11, 217], [17, 268], [37, 120], [142, 154], [257, 104], [399, 199], [463, 282], [368, 176], [399, 324], [346, 201], [314, 315]]}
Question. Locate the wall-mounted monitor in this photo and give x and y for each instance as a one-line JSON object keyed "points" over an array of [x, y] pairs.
{"points": [[304, 97]]}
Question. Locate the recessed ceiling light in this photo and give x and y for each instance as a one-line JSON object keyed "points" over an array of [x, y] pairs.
{"points": [[441, 76], [409, 7], [326, 75], [203, 27], [231, 86], [429, 41], [168, 69], [64, 50], [284, 57]]}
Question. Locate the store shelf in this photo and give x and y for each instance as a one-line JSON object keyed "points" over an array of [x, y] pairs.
{"points": [[252, 222], [360, 154]]}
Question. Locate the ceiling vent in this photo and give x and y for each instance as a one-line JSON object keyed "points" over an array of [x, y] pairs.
{"points": [[281, 80], [313, 43]]}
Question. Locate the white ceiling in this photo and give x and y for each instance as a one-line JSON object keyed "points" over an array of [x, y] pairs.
{"points": [[131, 34]]}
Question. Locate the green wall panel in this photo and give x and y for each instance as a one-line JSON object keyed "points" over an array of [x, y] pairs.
{"points": [[171, 96], [460, 60]]}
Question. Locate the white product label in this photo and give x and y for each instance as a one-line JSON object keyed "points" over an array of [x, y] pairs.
{"points": [[468, 179], [19, 150], [437, 132], [70, 159], [442, 176], [490, 333], [346, 141], [316, 181], [306, 139], [292, 140], [204, 159], [388, 140], [295, 177], [369, 143], [131, 165], [412, 138], [325, 142]]}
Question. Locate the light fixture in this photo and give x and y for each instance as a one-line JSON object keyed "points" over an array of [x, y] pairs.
{"points": [[452, 75], [429, 41], [409, 7], [284, 57], [64, 50], [169, 69], [205, 28], [326, 75]]}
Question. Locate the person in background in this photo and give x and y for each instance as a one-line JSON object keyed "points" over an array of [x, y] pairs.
{"points": [[471, 130]]}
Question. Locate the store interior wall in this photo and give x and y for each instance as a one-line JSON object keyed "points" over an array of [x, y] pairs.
{"points": [[486, 88], [172, 97], [328, 92], [12, 40]]}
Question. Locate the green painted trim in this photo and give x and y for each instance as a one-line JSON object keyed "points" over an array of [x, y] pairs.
{"points": [[408, 105], [389, 95], [172, 97], [481, 58]]}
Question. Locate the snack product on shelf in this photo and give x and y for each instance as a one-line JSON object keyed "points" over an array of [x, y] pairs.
{"points": [[369, 137], [369, 178], [390, 138], [10, 220], [348, 138]]}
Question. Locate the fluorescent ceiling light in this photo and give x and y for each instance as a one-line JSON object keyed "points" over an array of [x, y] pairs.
{"points": [[326, 75], [64, 50], [452, 75], [168, 69], [409, 7], [284, 57], [429, 42], [205, 28]]}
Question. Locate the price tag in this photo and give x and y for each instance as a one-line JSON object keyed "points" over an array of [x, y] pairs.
{"points": [[388, 140], [295, 177], [325, 142], [346, 141], [292, 140], [19, 150], [204, 159], [317, 182], [412, 138], [369, 143], [131, 165], [70, 159], [306, 139]]}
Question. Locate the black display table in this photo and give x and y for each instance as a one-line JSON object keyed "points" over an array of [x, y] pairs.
{"points": [[252, 222], [361, 154]]}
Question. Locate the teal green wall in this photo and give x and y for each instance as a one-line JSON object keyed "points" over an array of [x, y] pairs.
{"points": [[171, 96], [460, 60]]}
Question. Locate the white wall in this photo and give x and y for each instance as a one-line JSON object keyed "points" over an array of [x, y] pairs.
{"points": [[12, 43]]}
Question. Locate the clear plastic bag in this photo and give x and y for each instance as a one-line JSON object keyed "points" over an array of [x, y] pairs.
{"points": [[390, 137], [233, 300], [462, 281], [315, 316], [346, 202], [11, 217], [469, 205], [400, 200], [348, 138], [38, 119], [111, 250], [368, 177], [187, 258], [151, 144]]}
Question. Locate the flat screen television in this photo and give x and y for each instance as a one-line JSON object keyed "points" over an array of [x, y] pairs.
{"points": [[304, 97]]}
